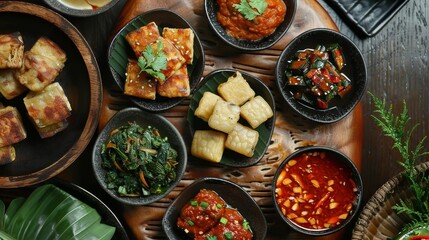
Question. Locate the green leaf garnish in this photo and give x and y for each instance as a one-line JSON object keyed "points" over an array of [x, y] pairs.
{"points": [[246, 225], [251, 9], [228, 236], [190, 223], [210, 237], [395, 128], [152, 63]]}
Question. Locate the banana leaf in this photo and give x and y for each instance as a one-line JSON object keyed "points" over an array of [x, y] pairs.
{"points": [[51, 213]]}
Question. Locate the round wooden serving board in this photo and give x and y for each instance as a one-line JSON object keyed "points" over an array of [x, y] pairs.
{"points": [[291, 131]]}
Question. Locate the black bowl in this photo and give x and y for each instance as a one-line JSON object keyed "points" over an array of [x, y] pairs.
{"points": [[120, 51], [233, 194], [210, 83], [355, 69], [211, 8], [78, 10], [144, 119], [353, 173]]}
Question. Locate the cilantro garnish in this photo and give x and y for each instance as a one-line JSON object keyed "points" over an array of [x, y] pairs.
{"points": [[248, 8], [152, 63]]}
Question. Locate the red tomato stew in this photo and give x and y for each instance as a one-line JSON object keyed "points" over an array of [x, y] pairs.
{"points": [[260, 26], [315, 76], [208, 217], [315, 191]]}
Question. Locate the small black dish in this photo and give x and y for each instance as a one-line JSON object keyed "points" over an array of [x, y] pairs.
{"points": [[233, 195], [211, 8], [120, 51], [210, 83], [355, 70], [85, 9], [336, 156], [144, 119]]}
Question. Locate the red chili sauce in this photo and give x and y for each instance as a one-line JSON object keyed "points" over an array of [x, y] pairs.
{"points": [[261, 26], [315, 191], [207, 217]]}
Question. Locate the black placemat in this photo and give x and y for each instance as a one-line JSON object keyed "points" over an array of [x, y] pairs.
{"points": [[367, 16]]}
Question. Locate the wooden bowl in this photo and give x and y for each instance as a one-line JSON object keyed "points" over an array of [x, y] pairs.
{"points": [[40, 159], [378, 220]]}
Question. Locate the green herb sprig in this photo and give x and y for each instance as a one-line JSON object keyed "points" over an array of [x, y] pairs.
{"points": [[395, 127], [152, 63], [247, 8]]}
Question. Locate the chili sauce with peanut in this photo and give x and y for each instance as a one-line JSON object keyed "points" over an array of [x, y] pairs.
{"points": [[261, 26], [315, 191]]}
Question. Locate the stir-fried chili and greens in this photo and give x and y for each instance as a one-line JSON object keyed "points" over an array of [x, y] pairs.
{"points": [[315, 75], [139, 162]]}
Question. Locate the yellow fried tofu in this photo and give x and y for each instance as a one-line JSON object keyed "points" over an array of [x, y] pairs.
{"points": [[256, 111], [7, 154], [206, 105], [10, 87], [142, 37], [175, 60], [49, 106], [42, 64], [236, 90], [12, 129], [177, 85], [51, 130], [242, 140], [182, 39], [224, 117], [137, 84], [208, 145], [11, 50]]}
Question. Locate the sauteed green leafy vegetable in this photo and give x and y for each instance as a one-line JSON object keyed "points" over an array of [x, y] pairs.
{"points": [[139, 161]]}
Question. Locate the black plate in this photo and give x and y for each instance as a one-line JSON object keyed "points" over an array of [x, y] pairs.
{"points": [[233, 194], [120, 51], [367, 16], [144, 119], [39, 159], [355, 69], [265, 130], [211, 8], [107, 216]]}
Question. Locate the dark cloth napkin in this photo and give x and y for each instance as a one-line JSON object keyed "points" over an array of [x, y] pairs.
{"points": [[367, 16]]}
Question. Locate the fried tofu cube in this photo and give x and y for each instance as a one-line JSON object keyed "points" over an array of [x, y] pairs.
{"points": [[49, 106], [242, 140], [51, 130], [208, 145], [142, 37], [138, 84], [177, 85], [206, 105], [7, 155], [42, 64], [11, 50], [256, 111], [10, 87], [236, 90], [182, 39], [175, 60], [12, 129], [224, 117]]}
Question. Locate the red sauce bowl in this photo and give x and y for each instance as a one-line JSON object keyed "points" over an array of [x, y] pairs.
{"points": [[317, 190]]}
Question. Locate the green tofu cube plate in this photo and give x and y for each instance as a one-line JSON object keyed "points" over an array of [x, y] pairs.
{"points": [[265, 130]]}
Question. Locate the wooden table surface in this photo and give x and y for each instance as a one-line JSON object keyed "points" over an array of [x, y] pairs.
{"points": [[397, 61]]}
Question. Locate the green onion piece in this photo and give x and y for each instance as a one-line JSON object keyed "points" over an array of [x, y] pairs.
{"points": [[194, 203], [204, 204], [219, 205], [223, 220], [228, 236], [190, 223], [210, 237], [246, 225]]}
